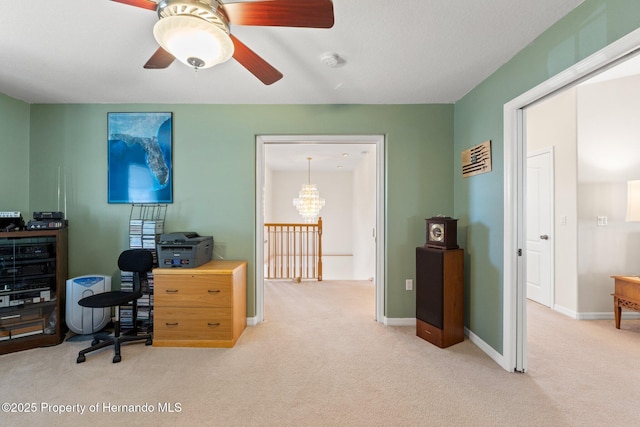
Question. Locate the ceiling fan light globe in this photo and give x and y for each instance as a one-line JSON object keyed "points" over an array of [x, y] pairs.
{"points": [[193, 41]]}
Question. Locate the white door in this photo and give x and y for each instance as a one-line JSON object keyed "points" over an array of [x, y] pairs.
{"points": [[539, 203]]}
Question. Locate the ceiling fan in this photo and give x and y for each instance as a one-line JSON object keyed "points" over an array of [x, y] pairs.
{"points": [[196, 32]]}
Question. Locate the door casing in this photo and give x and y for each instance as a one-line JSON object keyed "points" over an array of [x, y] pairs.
{"points": [[514, 354], [380, 277]]}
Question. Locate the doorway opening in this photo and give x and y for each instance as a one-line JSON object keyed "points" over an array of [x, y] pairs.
{"points": [[283, 144], [514, 356]]}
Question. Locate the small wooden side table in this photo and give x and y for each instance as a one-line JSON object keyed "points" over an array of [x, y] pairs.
{"points": [[626, 294]]}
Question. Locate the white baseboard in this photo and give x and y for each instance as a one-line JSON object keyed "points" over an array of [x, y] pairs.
{"points": [[490, 351], [252, 321], [476, 340], [595, 315], [400, 321], [626, 315], [563, 310]]}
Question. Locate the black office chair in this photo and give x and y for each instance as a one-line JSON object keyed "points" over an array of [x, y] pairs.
{"points": [[140, 262]]}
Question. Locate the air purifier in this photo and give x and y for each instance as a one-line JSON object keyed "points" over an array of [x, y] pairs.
{"points": [[85, 320]]}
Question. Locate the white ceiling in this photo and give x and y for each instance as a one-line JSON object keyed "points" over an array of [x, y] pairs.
{"points": [[325, 157], [394, 52], [337, 156], [402, 52]]}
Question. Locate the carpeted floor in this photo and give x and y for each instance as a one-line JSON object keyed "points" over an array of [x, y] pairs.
{"points": [[320, 359]]}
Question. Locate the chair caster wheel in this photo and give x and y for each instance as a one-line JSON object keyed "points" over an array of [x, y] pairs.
{"points": [[81, 359], [117, 358], [148, 342], [95, 341]]}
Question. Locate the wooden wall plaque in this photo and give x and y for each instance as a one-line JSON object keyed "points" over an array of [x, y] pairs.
{"points": [[476, 160]]}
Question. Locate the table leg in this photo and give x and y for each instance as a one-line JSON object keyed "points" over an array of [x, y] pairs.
{"points": [[617, 311]]}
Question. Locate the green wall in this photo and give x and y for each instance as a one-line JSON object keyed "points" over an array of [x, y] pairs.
{"points": [[214, 166], [14, 155], [479, 116], [214, 176]]}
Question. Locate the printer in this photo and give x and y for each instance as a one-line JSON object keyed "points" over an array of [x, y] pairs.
{"points": [[184, 249]]}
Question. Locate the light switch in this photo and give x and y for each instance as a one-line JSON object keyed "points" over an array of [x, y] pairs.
{"points": [[602, 221]]}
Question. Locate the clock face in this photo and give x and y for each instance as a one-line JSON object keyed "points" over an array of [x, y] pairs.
{"points": [[436, 232], [442, 233]]}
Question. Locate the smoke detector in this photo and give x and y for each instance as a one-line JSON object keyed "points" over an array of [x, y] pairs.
{"points": [[330, 59]]}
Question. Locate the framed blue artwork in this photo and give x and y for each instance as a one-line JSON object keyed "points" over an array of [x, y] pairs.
{"points": [[140, 157]]}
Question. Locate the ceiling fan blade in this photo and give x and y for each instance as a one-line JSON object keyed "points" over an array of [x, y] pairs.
{"points": [[255, 64], [282, 13], [160, 59], [145, 4]]}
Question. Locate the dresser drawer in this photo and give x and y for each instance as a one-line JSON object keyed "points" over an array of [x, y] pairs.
{"points": [[193, 324], [193, 291]]}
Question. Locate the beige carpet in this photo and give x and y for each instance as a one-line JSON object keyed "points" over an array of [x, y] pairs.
{"points": [[320, 359]]}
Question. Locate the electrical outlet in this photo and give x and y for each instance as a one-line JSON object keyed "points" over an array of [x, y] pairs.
{"points": [[409, 284]]}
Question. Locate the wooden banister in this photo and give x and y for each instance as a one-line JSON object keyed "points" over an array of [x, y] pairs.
{"points": [[293, 251]]}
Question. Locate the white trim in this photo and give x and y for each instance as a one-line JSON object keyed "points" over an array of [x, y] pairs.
{"points": [[608, 315], [379, 141], [259, 234], [490, 351], [596, 315], [514, 184], [514, 265], [569, 313], [399, 321]]}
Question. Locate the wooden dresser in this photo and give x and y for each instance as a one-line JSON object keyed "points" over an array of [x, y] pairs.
{"points": [[204, 306]]}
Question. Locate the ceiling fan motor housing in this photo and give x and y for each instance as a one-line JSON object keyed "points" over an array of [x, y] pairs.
{"points": [[209, 10]]}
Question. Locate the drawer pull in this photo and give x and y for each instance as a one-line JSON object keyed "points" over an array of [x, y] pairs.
{"points": [[214, 291], [427, 332], [171, 291], [171, 323], [213, 324]]}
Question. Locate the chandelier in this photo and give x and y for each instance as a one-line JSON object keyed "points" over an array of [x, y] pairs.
{"points": [[308, 201]]}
